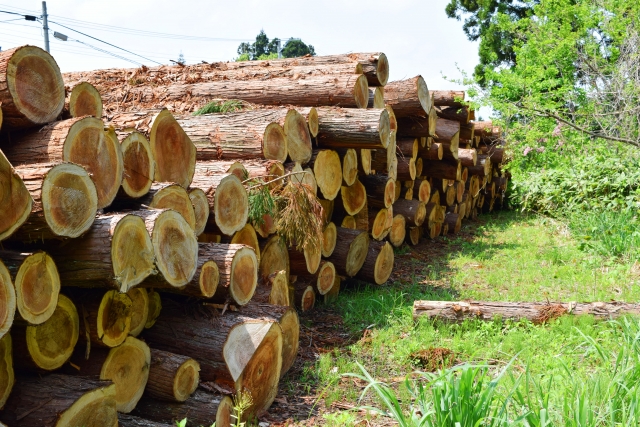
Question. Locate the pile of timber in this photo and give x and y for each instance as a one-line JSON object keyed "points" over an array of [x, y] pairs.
{"points": [[135, 285]]}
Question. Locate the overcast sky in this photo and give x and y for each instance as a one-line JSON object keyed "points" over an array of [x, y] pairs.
{"points": [[416, 35]]}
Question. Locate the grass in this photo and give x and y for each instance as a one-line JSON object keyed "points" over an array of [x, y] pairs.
{"points": [[510, 257], [214, 107]]}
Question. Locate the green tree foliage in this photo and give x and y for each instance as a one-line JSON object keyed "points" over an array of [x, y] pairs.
{"points": [[295, 48], [262, 48]]}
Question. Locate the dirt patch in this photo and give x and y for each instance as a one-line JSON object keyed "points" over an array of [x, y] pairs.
{"points": [[434, 358]]}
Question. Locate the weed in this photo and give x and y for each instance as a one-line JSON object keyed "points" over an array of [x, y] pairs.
{"points": [[213, 107]]}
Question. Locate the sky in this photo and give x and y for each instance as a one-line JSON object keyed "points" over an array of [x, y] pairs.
{"points": [[416, 36]]}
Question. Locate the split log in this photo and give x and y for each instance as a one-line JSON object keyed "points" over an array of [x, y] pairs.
{"points": [[83, 100], [353, 128], [106, 317], [202, 409], [155, 307], [238, 270], [7, 300], [459, 114], [329, 238], [173, 152], [82, 141], [139, 165], [238, 351], [442, 170], [32, 91], [398, 230], [273, 290], [139, 310], [304, 296], [413, 211], [448, 98], [47, 346], [350, 251], [172, 377], [126, 420], [378, 264], [7, 378], [306, 261], [275, 256], [380, 190], [408, 97], [15, 201], [61, 400]]}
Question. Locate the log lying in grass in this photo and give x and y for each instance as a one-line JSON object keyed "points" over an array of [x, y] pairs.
{"points": [[536, 312], [15, 201], [349, 128], [83, 100], [408, 97], [378, 264], [448, 98], [172, 377], [32, 90], [350, 252], [7, 300], [82, 141], [57, 400], [139, 165], [47, 346], [173, 152], [106, 316], [7, 377], [328, 172]]}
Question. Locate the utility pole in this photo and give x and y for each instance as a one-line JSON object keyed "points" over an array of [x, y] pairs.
{"points": [[45, 26]]}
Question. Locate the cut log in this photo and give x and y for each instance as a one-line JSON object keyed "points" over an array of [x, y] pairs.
{"points": [[200, 204], [380, 190], [139, 165], [172, 377], [348, 222], [408, 97], [84, 100], [7, 300], [32, 91], [416, 126], [482, 168], [406, 169], [7, 378], [228, 201], [468, 157], [329, 238], [306, 261], [459, 114], [407, 147], [376, 97], [454, 221], [398, 231], [380, 222], [364, 165], [328, 172], [15, 201], [434, 152], [378, 264], [155, 307], [353, 128], [245, 236], [442, 170], [413, 235], [275, 256], [327, 210], [238, 270], [307, 178], [448, 98], [82, 141], [236, 350], [352, 199], [116, 252], [273, 290], [385, 161], [350, 251], [304, 296], [467, 132], [70, 401], [106, 317], [349, 158], [423, 191], [413, 211], [126, 420], [139, 310], [322, 280], [49, 345], [173, 152]]}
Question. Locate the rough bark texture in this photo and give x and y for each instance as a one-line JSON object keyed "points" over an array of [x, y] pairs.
{"points": [[448, 98], [201, 410], [416, 126], [459, 114], [413, 211], [441, 169], [378, 264], [408, 97], [237, 267], [380, 190], [172, 377], [350, 251], [349, 128]]}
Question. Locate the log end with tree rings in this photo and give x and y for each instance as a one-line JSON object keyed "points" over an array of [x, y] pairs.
{"points": [[384, 264], [172, 149], [175, 247], [279, 294], [364, 164], [390, 192], [312, 121], [398, 231], [113, 321], [139, 310], [354, 197], [139, 166], [69, 200], [384, 128], [357, 254], [329, 236], [380, 226], [361, 91], [175, 197], [328, 172], [258, 375], [226, 414], [433, 120], [305, 299], [98, 150], [208, 279], [423, 95], [7, 300], [382, 69], [348, 222], [36, 87], [15, 200], [296, 130], [274, 143], [325, 277], [312, 256], [413, 236], [350, 166], [267, 227], [424, 191], [290, 324], [51, 343], [128, 367], [132, 253], [186, 380], [155, 307], [200, 208], [376, 97], [37, 286], [230, 205], [7, 377], [274, 257], [247, 236], [244, 275], [85, 100]]}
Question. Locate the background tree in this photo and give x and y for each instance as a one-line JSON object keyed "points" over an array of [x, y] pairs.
{"points": [[295, 48], [262, 48]]}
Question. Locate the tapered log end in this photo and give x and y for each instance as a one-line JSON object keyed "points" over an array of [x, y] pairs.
{"points": [[398, 231], [200, 208], [85, 100], [290, 324], [175, 247], [51, 343], [384, 264], [37, 288], [15, 200], [423, 95], [138, 163], [177, 198], [326, 277], [36, 87], [247, 236], [7, 378], [274, 143], [155, 307], [296, 131], [7, 301], [173, 151], [328, 172], [329, 236], [114, 318], [132, 253], [312, 120], [361, 91], [357, 254], [69, 200], [139, 310], [350, 166], [186, 380], [128, 367], [96, 408], [244, 275], [230, 205], [354, 197]]}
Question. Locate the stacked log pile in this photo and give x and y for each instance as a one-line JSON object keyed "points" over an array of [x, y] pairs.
{"points": [[154, 261]]}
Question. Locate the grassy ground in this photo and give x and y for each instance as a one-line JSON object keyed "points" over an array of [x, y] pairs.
{"points": [[504, 256]]}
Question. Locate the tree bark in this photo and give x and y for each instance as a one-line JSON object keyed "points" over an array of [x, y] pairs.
{"points": [[406, 169], [350, 251], [304, 296], [448, 98], [172, 377], [378, 264], [126, 420], [304, 262], [467, 132], [416, 126], [238, 270], [83, 100], [413, 211], [15, 201], [435, 151], [408, 97], [407, 147], [353, 128], [468, 157], [442, 169], [459, 114], [380, 190]]}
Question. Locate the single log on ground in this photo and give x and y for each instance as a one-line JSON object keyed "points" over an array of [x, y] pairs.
{"points": [[350, 251], [116, 252], [380, 222], [274, 256], [139, 310], [304, 296], [155, 307], [15, 201], [398, 230], [235, 350], [228, 201], [448, 98], [378, 264], [408, 97], [139, 165], [172, 377], [7, 378], [57, 400], [82, 141], [353, 128], [328, 172], [459, 114], [49, 345], [416, 126], [7, 300], [237, 269], [84, 100], [306, 261], [442, 170], [201, 409], [36, 282], [64, 201], [273, 290], [173, 152], [329, 238], [536, 312], [380, 190], [32, 90], [413, 211], [106, 316], [322, 279]]}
